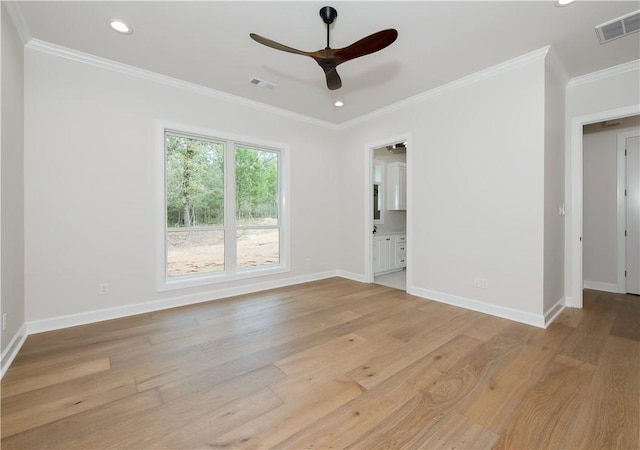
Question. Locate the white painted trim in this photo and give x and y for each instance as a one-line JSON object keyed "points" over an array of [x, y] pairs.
{"points": [[409, 223], [232, 274], [537, 320], [368, 213], [72, 320], [621, 212], [104, 63], [553, 312], [18, 21], [568, 301], [605, 73], [461, 82], [86, 58], [575, 211], [60, 322], [11, 351], [599, 286], [160, 211], [621, 201], [352, 276]]}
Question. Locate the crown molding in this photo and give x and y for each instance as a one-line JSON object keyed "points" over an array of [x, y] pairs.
{"points": [[542, 53], [605, 73], [448, 87], [104, 63], [18, 21]]}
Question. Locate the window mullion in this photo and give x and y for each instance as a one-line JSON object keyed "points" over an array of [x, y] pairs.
{"points": [[230, 246]]}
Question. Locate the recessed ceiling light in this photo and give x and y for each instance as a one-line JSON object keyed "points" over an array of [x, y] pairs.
{"points": [[120, 27], [564, 2], [338, 104]]}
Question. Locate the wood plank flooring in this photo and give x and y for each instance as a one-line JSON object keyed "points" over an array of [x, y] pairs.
{"points": [[331, 364]]}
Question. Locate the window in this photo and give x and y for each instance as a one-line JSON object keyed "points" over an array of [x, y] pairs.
{"points": [[223, 210], [258, 233]]}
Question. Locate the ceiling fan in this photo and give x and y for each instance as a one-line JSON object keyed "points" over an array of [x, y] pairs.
{"points": [[329, 58]]}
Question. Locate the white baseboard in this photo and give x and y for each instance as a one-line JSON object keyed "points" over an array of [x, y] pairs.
{"points": [[352, 276], [72, 320], [568, 301], [599, 286], [11, 351], [553, 312], [55, 323], [537, 320]]}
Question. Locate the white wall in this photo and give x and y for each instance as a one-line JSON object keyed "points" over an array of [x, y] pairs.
{"points": [[12, 174], [482, 195], [554, 186], [90, 156], [617, 88], [476, 189], [600, 187]]}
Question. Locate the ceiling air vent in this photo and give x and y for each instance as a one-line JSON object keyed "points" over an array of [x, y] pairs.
{"points": [[262, 84], [619, 27]]}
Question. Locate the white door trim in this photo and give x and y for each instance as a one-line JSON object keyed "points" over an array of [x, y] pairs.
{"points": [[622, 207], [368, 195], [576, 183]]}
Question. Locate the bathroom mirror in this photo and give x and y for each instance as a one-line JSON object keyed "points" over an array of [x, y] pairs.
{"points": [[377, 203]]}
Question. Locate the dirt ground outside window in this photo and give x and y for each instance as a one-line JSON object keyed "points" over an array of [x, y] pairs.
{"points": [[202, 251]]}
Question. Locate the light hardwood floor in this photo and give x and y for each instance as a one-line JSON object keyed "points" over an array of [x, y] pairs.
{"points": [[331, 364]]}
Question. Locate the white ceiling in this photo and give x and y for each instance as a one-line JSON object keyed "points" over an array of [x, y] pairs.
{"points": [[208, 43]]}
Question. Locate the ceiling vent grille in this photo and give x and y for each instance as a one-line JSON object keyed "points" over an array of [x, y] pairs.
{"points": [[619, 27], [262, 84]]}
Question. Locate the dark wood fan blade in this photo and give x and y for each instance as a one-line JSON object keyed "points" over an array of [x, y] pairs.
{"points": [[365, 46], [333, 79], [277, 45]]}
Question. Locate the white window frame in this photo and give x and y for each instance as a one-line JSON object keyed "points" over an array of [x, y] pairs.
{"points": [[231, 271]]}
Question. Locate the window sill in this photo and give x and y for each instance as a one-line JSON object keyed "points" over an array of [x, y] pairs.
{"points": [[209, 279]]}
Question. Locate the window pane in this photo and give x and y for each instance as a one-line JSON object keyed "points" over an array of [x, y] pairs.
{"points": [[256, 186], [195, 182], [191, 252], [258, 247]]}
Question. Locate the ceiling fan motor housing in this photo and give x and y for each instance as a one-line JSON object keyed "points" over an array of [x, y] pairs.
{"points": [[328, 14]]}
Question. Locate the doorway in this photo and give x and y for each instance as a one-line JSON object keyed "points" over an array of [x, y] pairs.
{"points": [[387, 254], [632, 207], [611, 233], [575, 233]]}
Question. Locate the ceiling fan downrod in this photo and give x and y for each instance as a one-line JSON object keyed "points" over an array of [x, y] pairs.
{"points": [[328, 15]]}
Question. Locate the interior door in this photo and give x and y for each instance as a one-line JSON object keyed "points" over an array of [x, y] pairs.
{"points": [[632, 242]]}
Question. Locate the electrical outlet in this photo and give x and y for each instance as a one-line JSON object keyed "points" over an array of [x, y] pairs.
{"points": [[4, 321], [480, 282], [307, 261], [103, 288]]}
